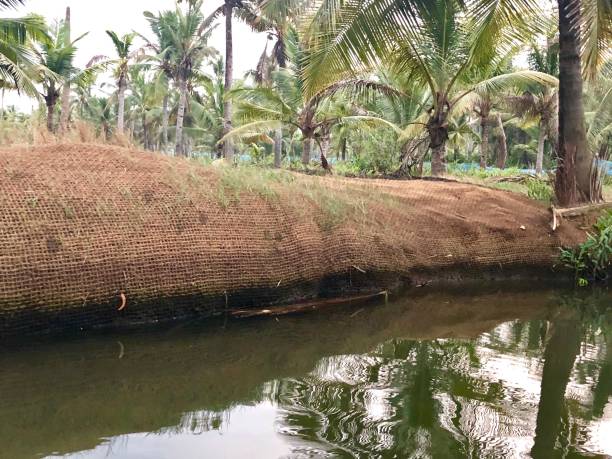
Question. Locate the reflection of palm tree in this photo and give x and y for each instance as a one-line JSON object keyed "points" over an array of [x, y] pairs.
{"points": [[559, 356], [351, 416], [603, 388]]}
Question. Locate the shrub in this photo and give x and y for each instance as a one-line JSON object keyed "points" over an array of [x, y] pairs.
{"points": [[591, 261]]}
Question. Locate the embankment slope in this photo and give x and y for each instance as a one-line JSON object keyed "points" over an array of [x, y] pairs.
{"points": [[83, 225]]}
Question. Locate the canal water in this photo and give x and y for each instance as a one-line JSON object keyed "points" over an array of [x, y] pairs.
{"points": [[502, 374]]}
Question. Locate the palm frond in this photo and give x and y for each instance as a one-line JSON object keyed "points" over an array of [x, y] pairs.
{"points": [[250, 129], [596, 22]]}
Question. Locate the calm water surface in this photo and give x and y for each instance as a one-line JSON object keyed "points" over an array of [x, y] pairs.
{"points": [[500, 375]]}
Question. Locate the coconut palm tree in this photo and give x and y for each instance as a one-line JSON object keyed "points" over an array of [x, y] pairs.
{"points": [[440, 43], [121, 72], [17, 60], [144, 105], [187, 33], [283, 103], [541, 107], [244, 10], [207, 110], [161, 61], [276, 18], [55, 63], [360, 34], [573, 178]]}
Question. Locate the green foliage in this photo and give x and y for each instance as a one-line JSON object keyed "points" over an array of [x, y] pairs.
{"points": [[539, 189], [591, 261]]}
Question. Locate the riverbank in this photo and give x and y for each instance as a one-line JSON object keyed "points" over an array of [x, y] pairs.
{"points": [[99, 236]]}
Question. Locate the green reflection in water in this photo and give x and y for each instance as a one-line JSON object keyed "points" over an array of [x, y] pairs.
{"points": [[443, 375]]}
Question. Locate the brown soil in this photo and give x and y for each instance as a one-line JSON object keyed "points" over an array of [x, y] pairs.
{"points": [[82, 224]]}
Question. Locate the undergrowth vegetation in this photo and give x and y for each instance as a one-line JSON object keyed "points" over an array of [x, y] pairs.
{"points": [[591, 261]]}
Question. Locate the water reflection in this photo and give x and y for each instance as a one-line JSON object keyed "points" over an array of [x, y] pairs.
{"points": [[489, 375]]}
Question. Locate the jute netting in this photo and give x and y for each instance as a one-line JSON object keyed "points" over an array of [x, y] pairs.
{"points": [[83, 225]]}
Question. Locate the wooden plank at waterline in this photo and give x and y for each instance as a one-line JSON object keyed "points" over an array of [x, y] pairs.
{"points": [[302, 307]]}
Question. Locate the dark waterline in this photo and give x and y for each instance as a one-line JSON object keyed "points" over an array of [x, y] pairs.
{"points": [[440, 375]]}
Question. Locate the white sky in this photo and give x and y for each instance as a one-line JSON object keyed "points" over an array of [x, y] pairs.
{"points": [[123, 16]]}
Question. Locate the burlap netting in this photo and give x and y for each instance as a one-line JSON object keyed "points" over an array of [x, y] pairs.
{"points": [[82, 224]]}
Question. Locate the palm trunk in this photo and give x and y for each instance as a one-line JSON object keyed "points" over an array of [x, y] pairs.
{"points": [[324, 147], [343, 148], [306, 150], [51, 97], [180, 116], [228, 148], [64, 116], [540, 155], [573, 179], [437, 128], [438, 160], [503, 145], [484, 143], [50, 116], [278, 147], [121, 105], [145, 133], [165, 118]]}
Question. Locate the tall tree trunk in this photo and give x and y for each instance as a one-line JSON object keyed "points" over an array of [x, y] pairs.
{"points": [[180, 116], [573, 179], [559, 357], [343, 146], [121, 104], [438, 160], [165, 118], [51, 97], [502, 155], [540, 154], [64, 116], [324, 146], [228, 148], [306, 150], [145, 133], [484, 142], [278, 147], [437, 128], [50, 115]]}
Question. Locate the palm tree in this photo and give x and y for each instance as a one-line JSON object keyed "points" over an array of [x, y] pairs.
{"points": [[262, 109], [540, 106], [277, 19], [121, 71], [573, 178], [439, 43], [188, 34], [17, 59], [244, 10], [55, 61], [144, 105], [65, 112], [283, 103], [207, 110], [162, 62]]}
